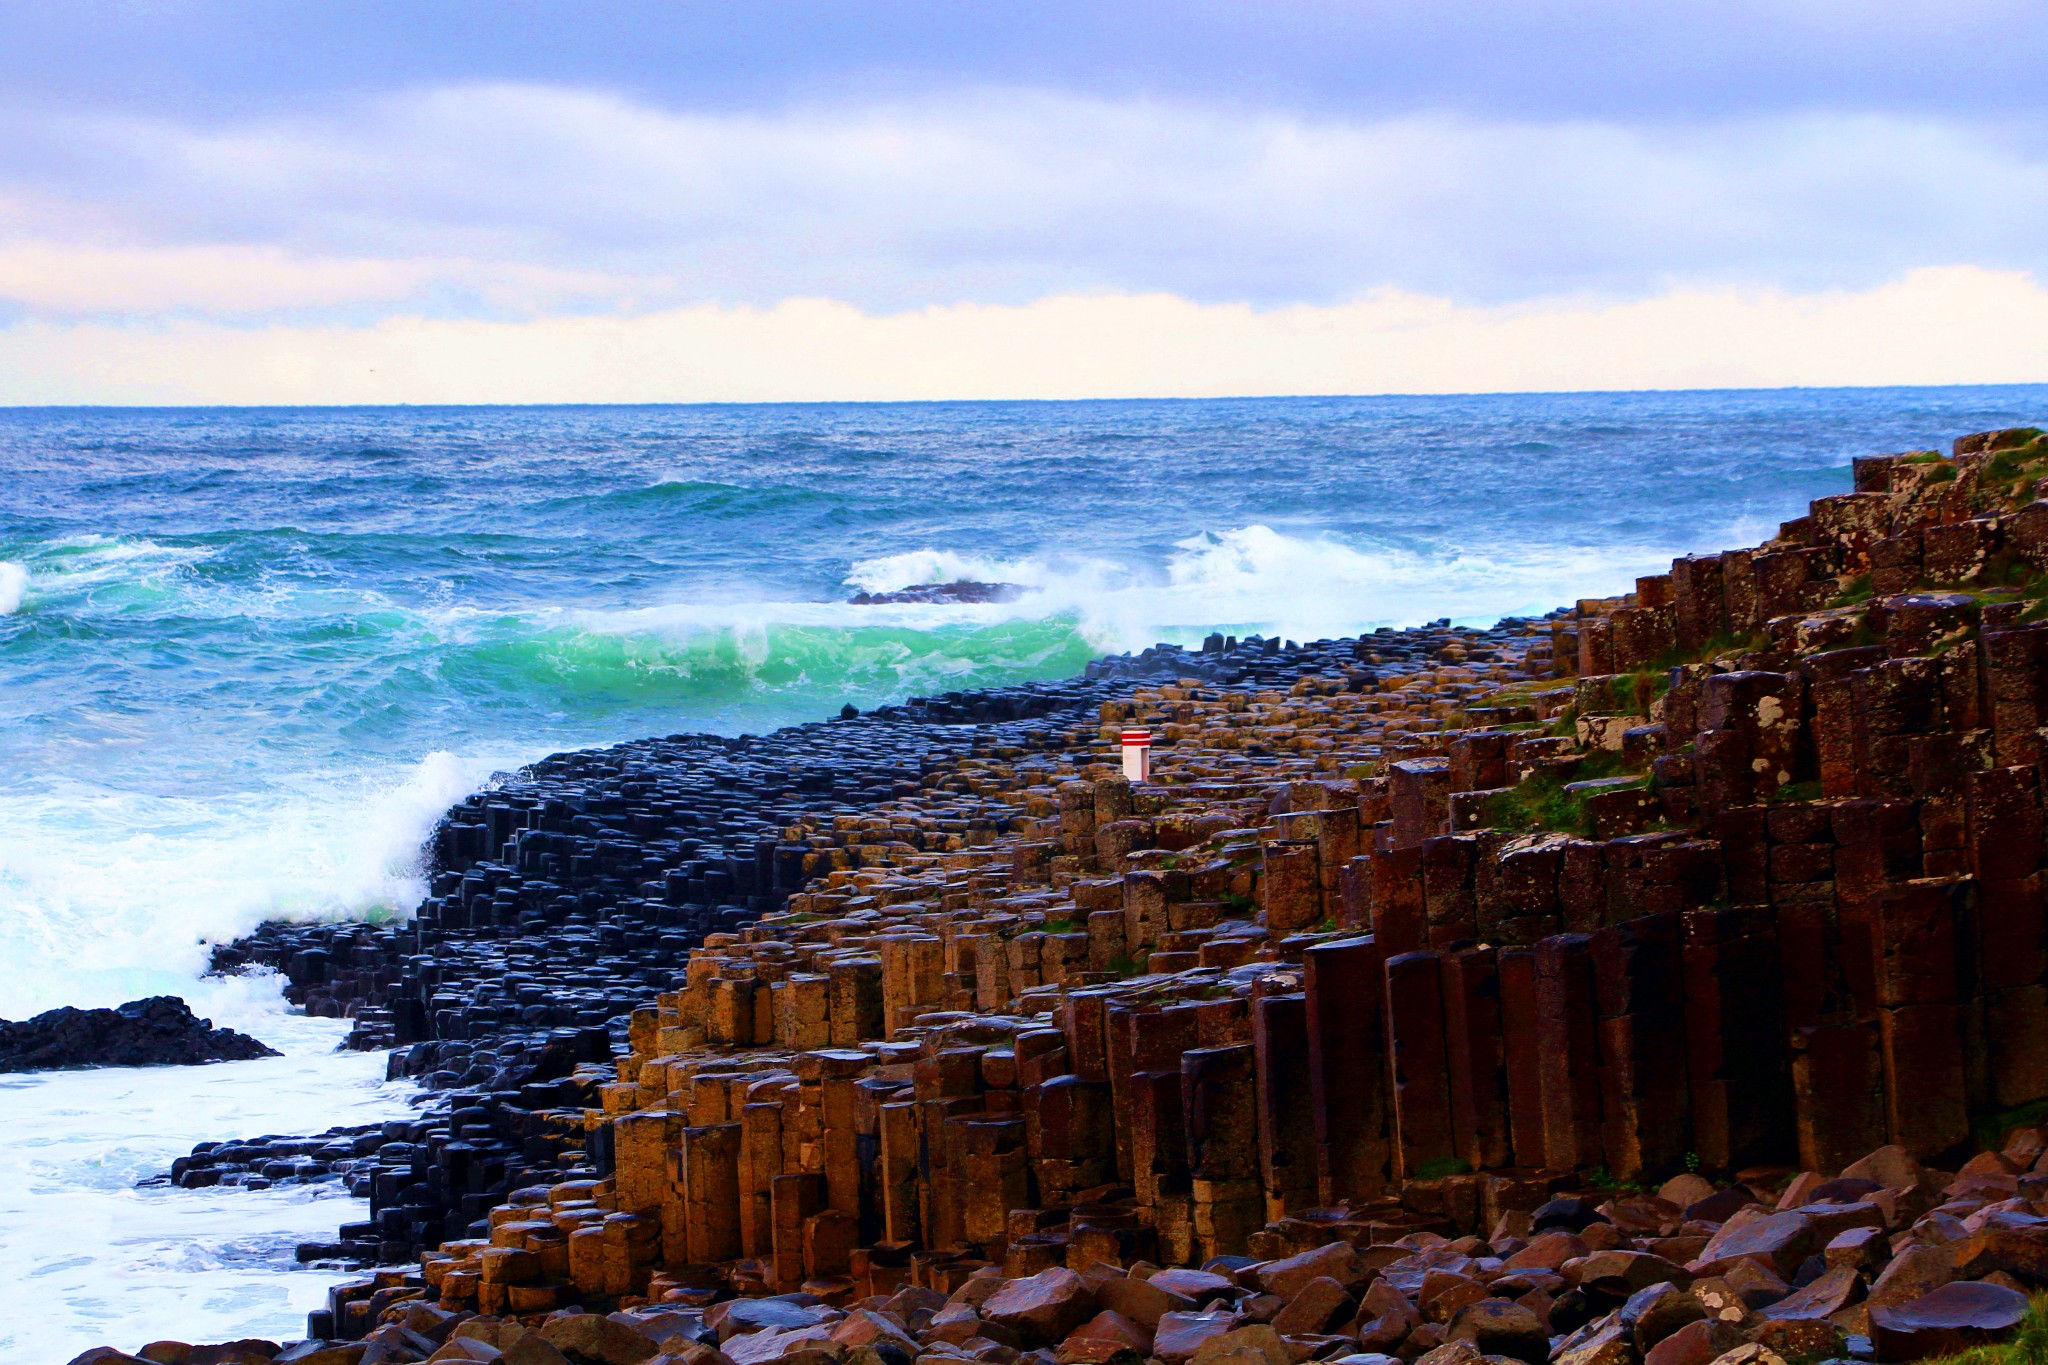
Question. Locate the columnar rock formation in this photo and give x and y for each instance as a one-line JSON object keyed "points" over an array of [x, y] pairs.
{"points": [[1637, 983]]}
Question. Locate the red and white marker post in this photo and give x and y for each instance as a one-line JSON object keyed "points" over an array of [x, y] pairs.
{"points": [[1138, 755]]}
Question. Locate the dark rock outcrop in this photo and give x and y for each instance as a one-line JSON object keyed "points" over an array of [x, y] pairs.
{"points": [[159, 1031], [941, 594]]}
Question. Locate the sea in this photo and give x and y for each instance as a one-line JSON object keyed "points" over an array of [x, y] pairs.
{"points": [[247, 655]]}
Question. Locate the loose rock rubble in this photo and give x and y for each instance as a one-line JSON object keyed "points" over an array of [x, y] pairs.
{"points": [[159, 1031], [1661, 981]]}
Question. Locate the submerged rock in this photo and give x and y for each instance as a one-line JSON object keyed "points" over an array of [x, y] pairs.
{"points": [[942, 594], [159, 1031]]}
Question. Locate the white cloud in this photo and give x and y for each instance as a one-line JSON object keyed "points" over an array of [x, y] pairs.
{"points": [[51, 277], [1953, 325], [1005, 196]]}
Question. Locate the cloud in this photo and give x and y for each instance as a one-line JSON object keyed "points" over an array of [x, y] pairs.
{"points": [[234, 280], [1953, 325], [512, 200]]}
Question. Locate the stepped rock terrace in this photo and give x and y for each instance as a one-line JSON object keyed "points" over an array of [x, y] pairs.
{"points": [[1664, 980]]}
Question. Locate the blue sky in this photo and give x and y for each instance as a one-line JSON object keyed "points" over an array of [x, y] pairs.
{"points": [[191, 192]]}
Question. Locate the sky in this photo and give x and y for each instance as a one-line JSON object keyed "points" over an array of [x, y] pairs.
{"points": [[461, 201]]}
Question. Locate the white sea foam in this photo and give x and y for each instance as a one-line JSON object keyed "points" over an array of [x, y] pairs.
{"points": [[1256, 579], [13, 587], [87, 1259], [113, 896]]}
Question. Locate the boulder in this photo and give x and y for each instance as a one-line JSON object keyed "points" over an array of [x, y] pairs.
{"points": [[2015, 1243], [1826, 1296], [1256, 1344], [1916, 1270], [1179, 1335], [1750, 1353], [1314, 1308], [1501, 1327], [1782, 1240], [1286, 1277], [588, 1339], [1548, 1251], [1144, 1302], [738, 1316], [1655, 1312], [159, 1031], [1113, 1327], [1696, 1343], [324, 1352], [865, 1327], [1892, 1167], [1199, 1285], [1044, 1308], [1952, 1318]]}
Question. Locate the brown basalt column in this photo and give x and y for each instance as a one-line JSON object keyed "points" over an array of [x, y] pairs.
{"points": [[1521, 1048], [729, 1022], [711, 1192], [760, 1162], [1287, 1133], [898, 1175], [855, 1000], [803, 1016], [1526, 874], [1582, 887], [1151, 1142], [1418, 1063], [1639, 986], [838, 1094], [1838, 1092], [1077, 818], [1450, 907], [1893, 702], [1397, 900], [1596, 646], [1568, 1034], [1355, 893], [1736, 1067], [1339, 840], [1087, 1029], [1344, 982], [1290, 886], [641, 1143], [1145, 908], [1699, 599], [1071, 1134], [1219, 1099], [1926, 1108], [1477, 1059], [1420, 791], [795, 1200], [1739, 592], [1479, 760], [995, 1175], [2015, 663], [913, 980], [1752, 739]]}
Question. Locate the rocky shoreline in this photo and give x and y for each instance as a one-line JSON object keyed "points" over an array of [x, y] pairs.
{"points": [[1662, 981]]}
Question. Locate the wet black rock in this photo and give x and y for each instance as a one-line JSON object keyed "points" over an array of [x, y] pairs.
{"points": [[159, 1031], [942, 594]]}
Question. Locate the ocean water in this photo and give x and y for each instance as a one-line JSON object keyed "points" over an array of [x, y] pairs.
{"points": [[87, 1258], [248, 655]]}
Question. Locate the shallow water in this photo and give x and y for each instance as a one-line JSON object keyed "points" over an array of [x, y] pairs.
{"points": [[88, 1259]]}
